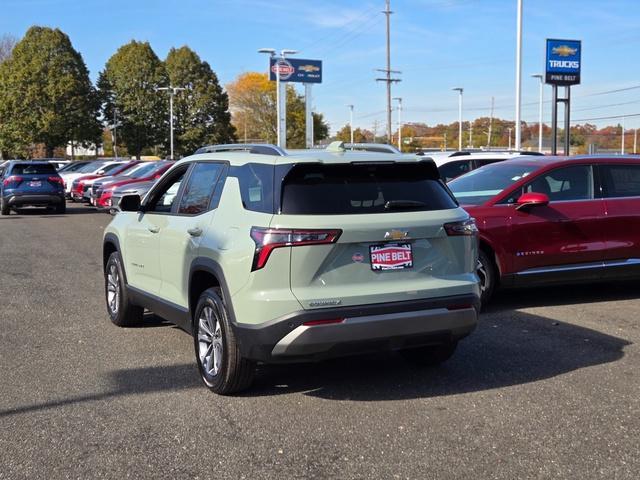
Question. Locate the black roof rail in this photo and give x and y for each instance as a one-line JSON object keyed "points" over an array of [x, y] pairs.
{"points": [[256, 148]]}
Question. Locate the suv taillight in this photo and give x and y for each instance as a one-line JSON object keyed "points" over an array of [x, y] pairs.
{"points": [[466, 227], [57, 180], [11, 179], [268, 239]]}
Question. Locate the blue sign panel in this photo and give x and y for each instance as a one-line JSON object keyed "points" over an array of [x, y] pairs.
{"points": [[563, 62], [296, 70]]}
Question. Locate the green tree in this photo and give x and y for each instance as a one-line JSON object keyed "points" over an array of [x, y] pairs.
{"points": [[359, 135], [201, 112], [46, 93], [128, 83]]}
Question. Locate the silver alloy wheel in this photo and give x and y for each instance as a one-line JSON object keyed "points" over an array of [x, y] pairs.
{"points": [[210, 347], [113, 289], [481, 269]]}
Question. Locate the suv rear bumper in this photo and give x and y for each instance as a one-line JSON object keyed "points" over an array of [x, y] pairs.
{"points": [[34, 200], [367, 328]]}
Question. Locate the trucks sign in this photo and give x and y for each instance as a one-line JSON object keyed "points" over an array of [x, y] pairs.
{"points": [[563, 62], [296, 70]]}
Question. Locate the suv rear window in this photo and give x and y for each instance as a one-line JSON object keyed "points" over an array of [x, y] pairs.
{"points": [[33, 169], [352, 189]]}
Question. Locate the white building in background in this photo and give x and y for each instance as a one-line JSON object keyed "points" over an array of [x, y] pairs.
{"points": [[80, 151]]}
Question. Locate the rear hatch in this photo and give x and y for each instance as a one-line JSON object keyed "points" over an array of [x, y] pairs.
{"points": [[393, 233], [34, 179]]}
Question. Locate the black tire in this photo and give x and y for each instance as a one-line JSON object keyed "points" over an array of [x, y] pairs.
{"points": [[488, 274], [61, 208], [4, 208], [430, 356], [121, 312], [231, 372]]}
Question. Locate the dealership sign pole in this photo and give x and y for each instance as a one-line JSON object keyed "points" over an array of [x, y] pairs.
{"points": [[562, 68], [307, 72]]}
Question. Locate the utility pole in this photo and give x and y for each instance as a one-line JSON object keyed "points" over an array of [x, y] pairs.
{"points": [[387, 71], [622, 143], [459, 90], [470, 133], [509, 137], [519, 76], [490, 124], [399, 99], [375, 130], [172, 92], [635, 140]]}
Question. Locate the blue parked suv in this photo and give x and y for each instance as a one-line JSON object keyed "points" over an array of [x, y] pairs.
{"points": [[34, 184]]}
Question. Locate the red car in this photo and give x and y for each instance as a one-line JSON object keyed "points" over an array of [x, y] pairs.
{"points": [[547, 220], [81, 185], [151, 172]]}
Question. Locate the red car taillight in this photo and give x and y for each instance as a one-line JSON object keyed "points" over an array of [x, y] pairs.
{"points": [[57, 180], [268, 239], [466, 227], [12, 179]]}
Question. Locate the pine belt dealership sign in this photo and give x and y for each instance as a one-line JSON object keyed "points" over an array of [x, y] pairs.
{"points": [[563, 62], [296, 70]]}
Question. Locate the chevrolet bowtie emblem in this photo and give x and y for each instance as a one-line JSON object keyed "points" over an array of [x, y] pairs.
{"points": [[564, 51], [396, 235]]}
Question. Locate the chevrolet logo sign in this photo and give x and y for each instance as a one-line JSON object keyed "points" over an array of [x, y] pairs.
{"points": [[309, 68], [564, 51], [396, 235]]}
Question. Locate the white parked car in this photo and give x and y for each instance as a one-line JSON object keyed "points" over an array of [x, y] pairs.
{"points": [[453, 164], [98, 167]]}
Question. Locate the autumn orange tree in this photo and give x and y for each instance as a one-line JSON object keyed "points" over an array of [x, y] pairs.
{"points": [[252, 98], [359, 135]]}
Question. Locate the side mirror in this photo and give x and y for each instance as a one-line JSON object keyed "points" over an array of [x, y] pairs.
{"points": [[532, 199], [129, 203]]}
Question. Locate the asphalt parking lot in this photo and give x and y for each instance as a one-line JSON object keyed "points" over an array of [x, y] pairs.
{"points": [[547, 387]]}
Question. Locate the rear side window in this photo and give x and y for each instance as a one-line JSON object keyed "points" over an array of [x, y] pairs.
{"points": [[256, 186], [352, 189], [202, 182], [621, 180], [33, 169], [452, 170]]}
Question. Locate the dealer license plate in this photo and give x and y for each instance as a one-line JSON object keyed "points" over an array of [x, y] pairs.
{"points": [[391, 256]]}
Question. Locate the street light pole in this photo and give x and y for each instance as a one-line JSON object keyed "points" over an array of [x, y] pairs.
{"points": [[622, 142], [509, 137], [459, 90], [351, 123], [281, 95], [399, 99], [541, 78], [172, 92], [519, 76]]}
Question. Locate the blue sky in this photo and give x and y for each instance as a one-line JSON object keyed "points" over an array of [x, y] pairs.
{"points": [[437, 44]]}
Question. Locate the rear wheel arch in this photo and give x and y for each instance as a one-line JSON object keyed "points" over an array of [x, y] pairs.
{"points": [[486, 247], [201, 279]]}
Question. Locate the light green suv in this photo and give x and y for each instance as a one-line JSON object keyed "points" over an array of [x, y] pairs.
{"points": [[292, 258]]}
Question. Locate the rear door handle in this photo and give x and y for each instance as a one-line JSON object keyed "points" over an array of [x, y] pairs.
{"points": [[195, 232], [154, 229]]}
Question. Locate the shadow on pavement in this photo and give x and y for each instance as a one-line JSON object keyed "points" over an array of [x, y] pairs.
{"points": [[563, 295], [519, 349]]}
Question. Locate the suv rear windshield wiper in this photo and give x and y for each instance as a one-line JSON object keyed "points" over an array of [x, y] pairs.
{"points": [[403, 204]]}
